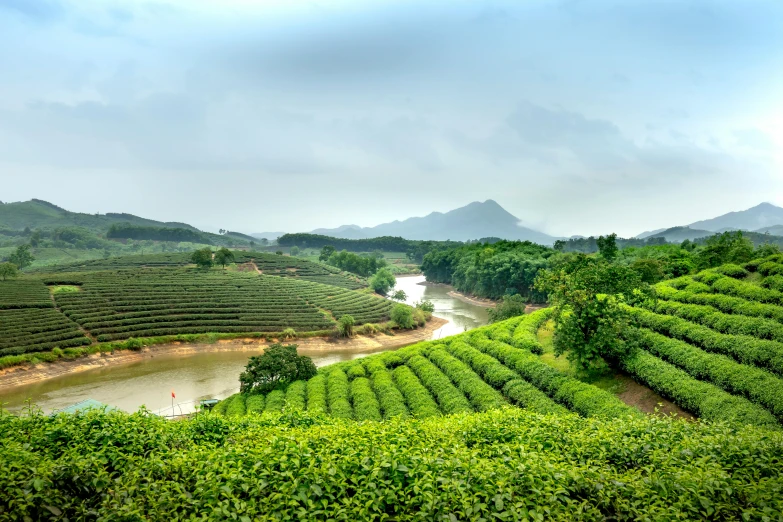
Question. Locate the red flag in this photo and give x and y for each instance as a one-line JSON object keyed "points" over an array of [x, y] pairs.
{"points": [[172, 394]]}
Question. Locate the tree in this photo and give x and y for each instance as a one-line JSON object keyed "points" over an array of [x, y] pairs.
{"points": [[590, 322], [35, 239], [22, 257], [264, 241], [650, 270], [202, 258], [294, 251], [8, 271], [728, 247], [383, 281], [277, 366], [425, 305], [224, 256], [345, 326], [607, 246], [399, 295], [510, 306], [252, 245], [326, 253], [402, 315]]}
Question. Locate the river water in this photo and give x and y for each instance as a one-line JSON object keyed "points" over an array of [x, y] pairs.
{"points": [[203, 375]]}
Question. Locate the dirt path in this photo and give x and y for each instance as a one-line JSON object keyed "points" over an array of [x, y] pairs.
{"points": [[21, 375]]}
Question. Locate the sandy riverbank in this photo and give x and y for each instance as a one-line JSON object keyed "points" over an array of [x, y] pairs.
{"points": [[21, 375]]}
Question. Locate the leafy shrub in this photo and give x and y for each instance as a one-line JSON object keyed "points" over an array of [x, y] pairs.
{"points": [[510, 306], [402, 315], [365, 404], [416, 395], [296, 396], [345, 326], [337, 394], [254, 403], [288, 334], [134, 344], [316, 394], [735, 271], [425, 305]]}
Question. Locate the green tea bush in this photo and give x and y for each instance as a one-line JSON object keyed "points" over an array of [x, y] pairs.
{"points": [[744, 348], [774, 282], [706, 400], [389, 397], [731, 270], [449, 398], [337, 394], [757, 385], [365, 404], [507, 464], [481, 395], [274, 401], [316, 394], [236, 405], [254, 403], [295, 395], [419, 400]]}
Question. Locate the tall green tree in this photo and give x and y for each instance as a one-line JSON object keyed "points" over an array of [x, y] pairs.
{"points": [[510, 306], [326, 253], [7, 271], [590, 323], [607, 246], [278, 365], [202, 258], [383, 281], [224, 256], [22, 257]]}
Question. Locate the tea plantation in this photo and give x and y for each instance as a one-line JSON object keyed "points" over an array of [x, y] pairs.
{"points": [[150, 302], [475, 428]]}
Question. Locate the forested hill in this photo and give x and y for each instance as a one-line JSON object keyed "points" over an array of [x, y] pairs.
{"points": [[39, 214]]}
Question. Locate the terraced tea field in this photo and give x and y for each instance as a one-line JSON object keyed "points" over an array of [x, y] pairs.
{"points": [[713, 342], [268, 264], [484, 369], [151, 302]]}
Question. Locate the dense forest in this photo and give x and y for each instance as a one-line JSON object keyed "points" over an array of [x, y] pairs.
{"points": [[414, 249], [510, 267]]}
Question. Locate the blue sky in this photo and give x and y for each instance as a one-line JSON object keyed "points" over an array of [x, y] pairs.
{"points": [[579, 117]]}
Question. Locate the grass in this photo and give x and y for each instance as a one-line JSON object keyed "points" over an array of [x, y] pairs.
{"points": [[606, 379], [57, 289]]}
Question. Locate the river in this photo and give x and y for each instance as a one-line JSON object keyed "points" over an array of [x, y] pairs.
{"points": [[202, 375]]}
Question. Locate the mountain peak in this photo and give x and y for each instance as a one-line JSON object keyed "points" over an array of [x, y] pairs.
{"points": [[762, 215], [475, 220]]}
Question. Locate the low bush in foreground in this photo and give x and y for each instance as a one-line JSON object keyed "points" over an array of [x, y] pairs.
{"points": [[507, 464]]}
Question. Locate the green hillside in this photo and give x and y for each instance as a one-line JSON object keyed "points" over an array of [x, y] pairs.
{"points": [[41, 214], [161, 297], [473, 427]]}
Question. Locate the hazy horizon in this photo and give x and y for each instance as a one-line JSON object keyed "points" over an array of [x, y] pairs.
{"points": [[578, 117]]}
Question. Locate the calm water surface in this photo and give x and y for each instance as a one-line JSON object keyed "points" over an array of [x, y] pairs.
{"points": [[210, 374]]}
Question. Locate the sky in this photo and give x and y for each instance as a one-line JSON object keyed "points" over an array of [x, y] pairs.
{"points": [[577, 116]]}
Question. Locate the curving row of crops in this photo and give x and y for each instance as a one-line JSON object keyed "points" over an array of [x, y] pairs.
{"points": [[463, 373], [152, 302], [713, 343]]}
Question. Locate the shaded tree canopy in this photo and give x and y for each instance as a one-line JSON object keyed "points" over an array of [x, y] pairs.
{"points": [[277, 366]]}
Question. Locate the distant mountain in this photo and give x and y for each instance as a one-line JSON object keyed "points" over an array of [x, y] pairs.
{"points": [[267, 235], [760, 216], [473, 221], [680, 234], [775, 230], [41, 214], [650, 233]]}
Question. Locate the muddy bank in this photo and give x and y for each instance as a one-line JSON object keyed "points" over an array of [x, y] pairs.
{"points": [[23, 375]]}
